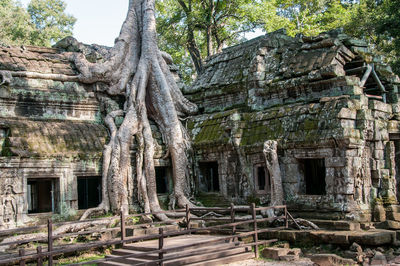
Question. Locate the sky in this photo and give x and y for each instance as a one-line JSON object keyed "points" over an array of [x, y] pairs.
{"points": [[99, 21]]}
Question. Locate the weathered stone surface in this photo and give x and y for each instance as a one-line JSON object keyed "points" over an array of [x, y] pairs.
{"points": [[285, 254], [378, 259], [331, 260], [296, 91]]}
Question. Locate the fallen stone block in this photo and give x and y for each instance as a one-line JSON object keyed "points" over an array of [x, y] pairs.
{"points": [[285, 254], [378, 259], [331, 260], [274, 253]]}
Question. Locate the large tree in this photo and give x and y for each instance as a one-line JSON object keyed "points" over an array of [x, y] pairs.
{"points": [[204, 27], [379, 23], [138, 71], [15, 26], [311, 17], [43, 23], [51, 21]]}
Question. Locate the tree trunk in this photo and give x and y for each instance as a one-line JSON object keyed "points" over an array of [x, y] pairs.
{"points": [[138, 70], [271, 159]]}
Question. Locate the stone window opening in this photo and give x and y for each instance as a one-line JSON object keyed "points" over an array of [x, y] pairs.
{"points": [[43, 195], [209, 179], [162, 179], [262, 179], [314, 172], [89, 192]]}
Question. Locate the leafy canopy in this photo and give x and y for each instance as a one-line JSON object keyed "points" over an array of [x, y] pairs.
{"points": [[43, 23], [191, 30], [195, 29]]}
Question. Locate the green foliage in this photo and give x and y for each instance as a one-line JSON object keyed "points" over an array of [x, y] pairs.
{"points": [[191, 30], [15, 25], [310, 17], [43, 23], [190, 27], [50, 20], [379, 23]]}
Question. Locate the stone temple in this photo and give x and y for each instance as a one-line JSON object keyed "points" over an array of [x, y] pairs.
{"points": [[330, 103]]}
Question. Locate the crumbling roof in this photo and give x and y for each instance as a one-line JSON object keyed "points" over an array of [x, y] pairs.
{"points": [[35, 59], [291, 124], [64, 139], [276, 66]]}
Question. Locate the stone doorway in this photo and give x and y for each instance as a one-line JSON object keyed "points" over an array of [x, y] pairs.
{"points": [[89, 192], [262, 180], [43, 195], [209, 179], [314, 172], [162, 179]]}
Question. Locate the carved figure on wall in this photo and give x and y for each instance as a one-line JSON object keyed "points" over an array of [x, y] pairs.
{"points": [[9, 206], [360, 194]]}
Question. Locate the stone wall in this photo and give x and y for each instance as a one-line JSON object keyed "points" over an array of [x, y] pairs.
{"points": [[50, 129], [305, 94]]}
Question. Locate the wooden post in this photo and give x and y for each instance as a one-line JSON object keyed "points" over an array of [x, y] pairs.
{"points": [[160, 246], [123, 231], [40, 257], [233, 220], [187, 217], [253, 213], [286, 218], [50, 240], [21, 254]]}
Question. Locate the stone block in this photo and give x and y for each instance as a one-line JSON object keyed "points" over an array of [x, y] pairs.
{"points": [[393, 126], [388, 224], [395, 216], [378, 238], [379, 213], [285, 254], [346, 113], [378, 259], [335, 162], [380, 106], [348, 123], [274, 253], [379, 154], [331, 260]]}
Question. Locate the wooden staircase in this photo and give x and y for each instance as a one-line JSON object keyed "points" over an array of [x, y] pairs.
{"points": [[211, 254]]}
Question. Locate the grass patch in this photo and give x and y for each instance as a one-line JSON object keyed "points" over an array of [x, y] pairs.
{"points": [[83, 257]]}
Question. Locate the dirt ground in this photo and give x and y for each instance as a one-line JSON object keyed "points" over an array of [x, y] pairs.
{"points": [[259, 262]]}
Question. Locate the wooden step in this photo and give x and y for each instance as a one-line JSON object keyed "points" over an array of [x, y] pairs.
{"points": [[138, 248], [114, 263], [225, 260], [126, 251], [204, 257], [130, 261], [210, 248]]}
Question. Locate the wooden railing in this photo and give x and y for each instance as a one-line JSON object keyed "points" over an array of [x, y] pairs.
{"points": [[22, 257]]}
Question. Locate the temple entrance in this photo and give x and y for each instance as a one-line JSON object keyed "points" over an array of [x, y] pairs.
{"points": [[209, 179], [89, 192], [262, 180], [162, 178], [314, 176], [43, 195]]}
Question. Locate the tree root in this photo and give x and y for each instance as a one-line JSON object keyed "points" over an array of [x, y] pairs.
{"points": [[137, 70]]}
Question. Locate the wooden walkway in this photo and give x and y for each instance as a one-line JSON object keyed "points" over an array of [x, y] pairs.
{"points": [[185, 250], [184, 246]]}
